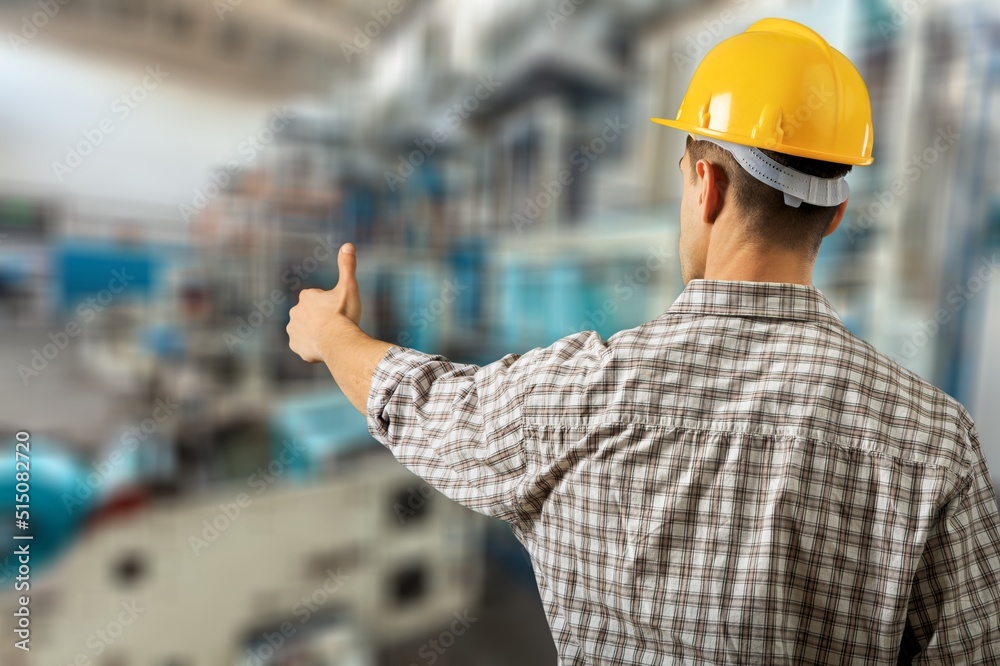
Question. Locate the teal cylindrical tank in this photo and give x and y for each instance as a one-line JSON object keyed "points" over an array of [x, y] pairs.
{"points": [[55, 511]]}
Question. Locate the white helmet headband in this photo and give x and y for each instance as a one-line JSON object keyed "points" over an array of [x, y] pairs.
{"points": [[797, 186]]}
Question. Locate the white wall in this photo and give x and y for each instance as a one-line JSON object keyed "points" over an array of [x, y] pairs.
{"points": [[159, 153]]}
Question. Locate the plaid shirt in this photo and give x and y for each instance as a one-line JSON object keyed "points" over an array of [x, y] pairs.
{"points": [[739, 481]]}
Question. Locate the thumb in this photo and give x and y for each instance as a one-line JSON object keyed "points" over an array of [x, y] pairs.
{"points": [[347, 263]]}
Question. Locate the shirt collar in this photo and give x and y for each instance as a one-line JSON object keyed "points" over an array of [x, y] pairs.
{"points": [[741, 298]]}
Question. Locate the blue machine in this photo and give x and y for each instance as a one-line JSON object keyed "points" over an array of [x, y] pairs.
{"points": [[86, 268], [54, 475], [315, 431]]}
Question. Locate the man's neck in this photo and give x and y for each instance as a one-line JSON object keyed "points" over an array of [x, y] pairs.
{"points": [[752, 267]]}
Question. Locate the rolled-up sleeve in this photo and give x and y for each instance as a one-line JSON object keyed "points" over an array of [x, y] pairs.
{"points": [[457, 426]]}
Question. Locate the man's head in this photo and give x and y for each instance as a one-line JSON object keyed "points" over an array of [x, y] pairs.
{"points": [[778, 116], [729, 216]]}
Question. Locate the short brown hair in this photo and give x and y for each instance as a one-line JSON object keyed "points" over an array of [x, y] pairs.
{"points": [[771, 221]]}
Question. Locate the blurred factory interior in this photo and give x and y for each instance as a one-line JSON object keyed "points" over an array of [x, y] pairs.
{"points": [[173, 173]]}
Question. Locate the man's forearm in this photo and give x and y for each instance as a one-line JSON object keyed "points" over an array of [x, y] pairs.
{"points": [[352, 355]]}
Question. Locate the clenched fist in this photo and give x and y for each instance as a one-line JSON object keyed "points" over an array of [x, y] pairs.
{"points": [[320, 313]]}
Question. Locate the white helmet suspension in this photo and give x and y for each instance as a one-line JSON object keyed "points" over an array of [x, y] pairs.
{"points": [[797, 186]]}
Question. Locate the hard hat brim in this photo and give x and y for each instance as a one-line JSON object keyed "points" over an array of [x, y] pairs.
{"points": [[742, 140]]}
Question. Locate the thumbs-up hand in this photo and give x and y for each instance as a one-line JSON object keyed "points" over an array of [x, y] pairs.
{"points": [[318, 313]]}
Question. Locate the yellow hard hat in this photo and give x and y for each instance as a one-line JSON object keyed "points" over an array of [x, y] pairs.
{"points": [[781, 87]]}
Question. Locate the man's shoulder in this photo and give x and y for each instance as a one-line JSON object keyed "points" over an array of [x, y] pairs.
{"points": [[875, 397], [916, 388], [898, 397], [927, 424]]}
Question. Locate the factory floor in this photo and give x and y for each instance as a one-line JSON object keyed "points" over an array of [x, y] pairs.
{"points": [[64, 400]]}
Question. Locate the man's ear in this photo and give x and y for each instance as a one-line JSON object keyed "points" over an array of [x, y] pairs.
{"points": [[837, 217], [712, 184]]}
